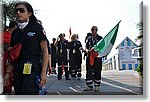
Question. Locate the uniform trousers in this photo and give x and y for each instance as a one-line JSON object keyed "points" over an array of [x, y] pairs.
{"points": [[75, 63], [25, 84], [53, 62], [93, 73], [62, 63]]}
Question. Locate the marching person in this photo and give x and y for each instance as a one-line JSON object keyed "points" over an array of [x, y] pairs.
{"points": [[86, 40], [33, 59], [93, 73], [62, 45], [49, 70], [53, 56], [75, 56]]}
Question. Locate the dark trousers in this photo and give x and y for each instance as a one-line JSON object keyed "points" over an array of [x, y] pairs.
{"points": [[25, 84], [63, 63], [93, 73], [75, 65], [53, 58]]}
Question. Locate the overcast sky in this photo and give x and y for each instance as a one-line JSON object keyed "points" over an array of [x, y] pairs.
{"points": [[58, 15]]}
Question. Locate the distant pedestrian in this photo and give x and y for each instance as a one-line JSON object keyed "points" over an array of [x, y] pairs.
{"points": [[54, 56], [88, 36], [49, 70], [62, 45]]}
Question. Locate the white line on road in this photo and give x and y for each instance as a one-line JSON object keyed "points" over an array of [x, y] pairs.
{"points": [[75, 90], [78, 86], [119, 87], [59, 93]]}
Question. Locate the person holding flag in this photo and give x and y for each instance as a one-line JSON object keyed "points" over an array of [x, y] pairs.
{"points": [[96, 48], [93, 72]]}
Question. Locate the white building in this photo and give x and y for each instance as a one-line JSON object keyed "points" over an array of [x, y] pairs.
{"points": [[123, 59]]}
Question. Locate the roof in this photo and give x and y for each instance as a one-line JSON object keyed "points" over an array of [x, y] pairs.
{"points": [[125, 39]]}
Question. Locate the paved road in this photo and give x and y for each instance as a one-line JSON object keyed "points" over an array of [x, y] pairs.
{"points": [[113, 83]]}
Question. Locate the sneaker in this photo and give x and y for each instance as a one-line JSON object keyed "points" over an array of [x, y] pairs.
{"points": [[88, 89], [96, 88]]}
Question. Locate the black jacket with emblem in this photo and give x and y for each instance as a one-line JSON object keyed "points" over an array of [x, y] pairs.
{"points": [[30, 36]]}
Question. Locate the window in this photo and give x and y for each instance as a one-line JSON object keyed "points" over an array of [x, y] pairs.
{"points": [[130, 66], [128, 42], [134, 44], [136, 66], [122, 44], [123, 66]]}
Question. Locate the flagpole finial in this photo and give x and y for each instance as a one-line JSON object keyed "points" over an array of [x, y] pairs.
{"points": [[120, 21]]}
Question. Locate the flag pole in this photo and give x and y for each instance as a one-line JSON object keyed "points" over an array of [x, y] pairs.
{"points": [[70, 32]]}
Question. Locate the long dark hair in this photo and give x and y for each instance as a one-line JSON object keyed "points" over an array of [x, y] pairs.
{"points": [[32, 18]]}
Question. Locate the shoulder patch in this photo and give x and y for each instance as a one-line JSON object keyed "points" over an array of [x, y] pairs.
{"points": [[31, 33]]}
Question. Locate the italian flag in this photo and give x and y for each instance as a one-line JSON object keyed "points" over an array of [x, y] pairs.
{"points": [[104, 46]]}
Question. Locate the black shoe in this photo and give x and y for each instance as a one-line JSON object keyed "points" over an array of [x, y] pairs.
{"points": [[68, 79], [59, 78], [79, 78]]}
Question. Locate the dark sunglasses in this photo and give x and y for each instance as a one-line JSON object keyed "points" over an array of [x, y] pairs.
{"points": [[94, 29], [21, 10]]}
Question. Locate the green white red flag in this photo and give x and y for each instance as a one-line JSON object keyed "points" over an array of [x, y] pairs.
{"points": [[104, 46]]}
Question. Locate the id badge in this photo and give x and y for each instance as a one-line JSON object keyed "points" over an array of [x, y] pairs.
{"points": [[60, 50], [27, 68], [74, 50]]}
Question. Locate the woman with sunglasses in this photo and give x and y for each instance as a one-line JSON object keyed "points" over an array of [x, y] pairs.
{"points": [[33, 58]]}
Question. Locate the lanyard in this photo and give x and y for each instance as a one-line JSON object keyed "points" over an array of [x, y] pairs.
{"points": [[94, 41], [74, 44]]}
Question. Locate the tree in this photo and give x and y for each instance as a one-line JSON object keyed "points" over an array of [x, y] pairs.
{"points": [[140, 37], [8, 10], [140, 28]]}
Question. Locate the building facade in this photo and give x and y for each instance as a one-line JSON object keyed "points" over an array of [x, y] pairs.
{"points": [[123, 59]]}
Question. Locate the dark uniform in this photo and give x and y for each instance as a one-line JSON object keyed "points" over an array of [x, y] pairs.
{"points": [[93, 73], [54, 58], [75, 57], [49, 53], [62, 59], [31, 54], [49, 47]]}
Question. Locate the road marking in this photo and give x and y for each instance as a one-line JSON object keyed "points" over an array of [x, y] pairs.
{"points": [[119, 87], [78, 86], [75, 90], [59, 93]]}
